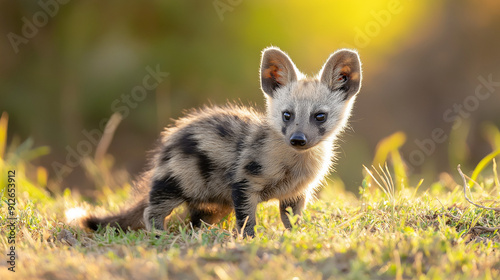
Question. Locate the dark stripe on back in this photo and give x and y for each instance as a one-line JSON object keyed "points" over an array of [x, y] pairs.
{"points": [[240, 144], [189, 146], [259, 140], [223, 127], [166, 154]]}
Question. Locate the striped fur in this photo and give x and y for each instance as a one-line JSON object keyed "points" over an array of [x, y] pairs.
{"points": [[223, 159]]}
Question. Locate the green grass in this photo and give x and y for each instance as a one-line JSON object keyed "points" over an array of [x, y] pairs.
{"points": [[389, 231], [424, 236]]}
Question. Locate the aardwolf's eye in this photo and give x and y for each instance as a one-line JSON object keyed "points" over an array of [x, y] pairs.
{"points": [[287, 116], [320, 117]]}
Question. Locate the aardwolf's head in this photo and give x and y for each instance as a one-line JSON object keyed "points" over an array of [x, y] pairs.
{"points": [[308, 110]]}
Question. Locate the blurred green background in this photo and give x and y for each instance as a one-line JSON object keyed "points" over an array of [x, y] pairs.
{"points": [[67, 66]]}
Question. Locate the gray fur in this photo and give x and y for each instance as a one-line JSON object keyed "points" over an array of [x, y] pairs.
{"points": [[219, 159]]}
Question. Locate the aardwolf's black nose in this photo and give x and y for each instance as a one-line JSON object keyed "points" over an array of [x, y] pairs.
{"points": [[298, 139]]}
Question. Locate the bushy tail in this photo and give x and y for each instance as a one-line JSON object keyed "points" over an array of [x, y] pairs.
{"points": [[131, 219]]}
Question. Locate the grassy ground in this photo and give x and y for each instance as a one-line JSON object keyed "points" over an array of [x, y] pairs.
{"points": [[385, 232], [423, 235]]}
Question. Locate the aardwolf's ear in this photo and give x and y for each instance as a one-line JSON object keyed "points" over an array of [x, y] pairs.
{"points": [[276, 70], [342, 73]]}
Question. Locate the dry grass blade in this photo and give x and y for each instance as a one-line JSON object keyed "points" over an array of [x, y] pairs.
{"points": [[242, 232], [386, 185], [107, 137], [464, 178], [373, 177], [391, 181], [385, 177]]}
